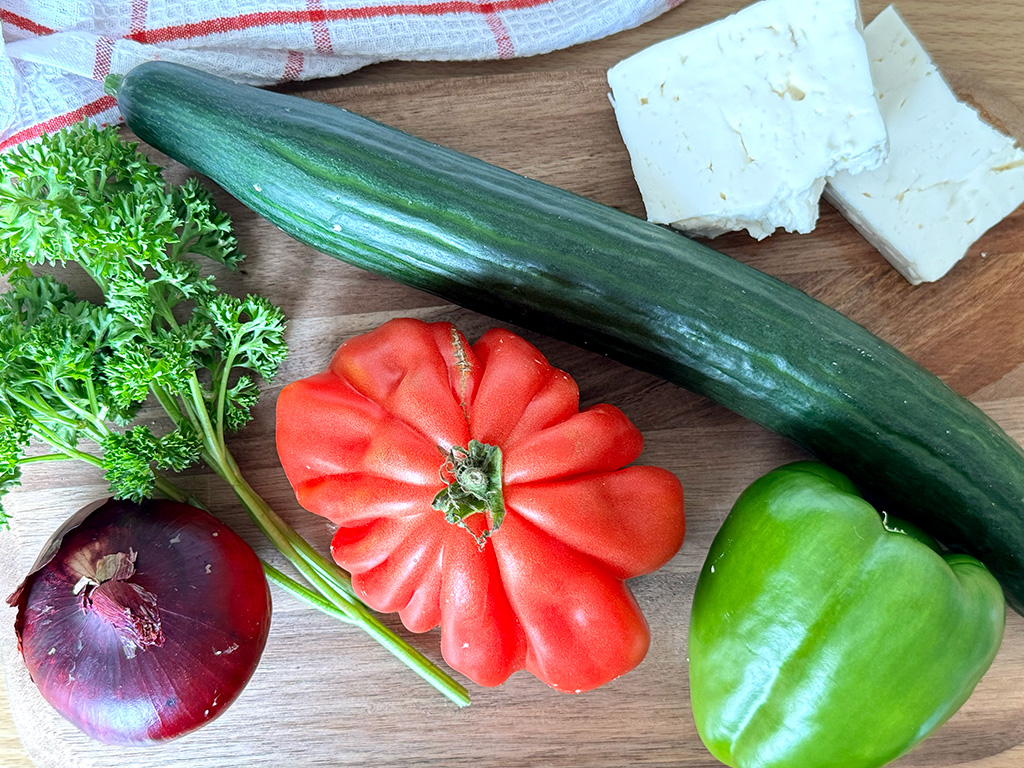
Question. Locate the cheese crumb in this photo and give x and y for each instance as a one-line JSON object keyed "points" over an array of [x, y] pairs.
{"points": [[735, 125], [949, 177]]}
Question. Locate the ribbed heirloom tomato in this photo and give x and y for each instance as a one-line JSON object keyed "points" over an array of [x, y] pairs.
{"points": [[471, 492]]}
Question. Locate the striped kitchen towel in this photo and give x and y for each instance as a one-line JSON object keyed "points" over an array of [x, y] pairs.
{"points": [[55, 53]]}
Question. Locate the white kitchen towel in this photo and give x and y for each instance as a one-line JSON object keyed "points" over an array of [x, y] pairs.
{"points": [[55, 53]]}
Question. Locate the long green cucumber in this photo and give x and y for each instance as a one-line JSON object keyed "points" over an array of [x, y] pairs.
{"points": [[551, 261]]}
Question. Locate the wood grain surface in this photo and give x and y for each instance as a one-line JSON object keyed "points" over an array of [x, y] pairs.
{"points": [[324, 694]]}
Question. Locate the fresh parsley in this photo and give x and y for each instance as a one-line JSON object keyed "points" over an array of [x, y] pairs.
{"points": [[74, 372]]}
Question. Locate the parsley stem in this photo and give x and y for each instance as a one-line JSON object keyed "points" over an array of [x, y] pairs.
{"points": [[222, 391], [93, 402], [52, 439], [285, 582], [40, 407], [284, 537], [170, 404], [184, 243], [333, 583], [84, 414], [170, 490], [360, 614], [307, 595], [329, 580], [46, 457], [325, 569], [202, 416]]}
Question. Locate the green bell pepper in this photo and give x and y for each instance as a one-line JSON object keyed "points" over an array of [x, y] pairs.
{"points": [[825, 636]]}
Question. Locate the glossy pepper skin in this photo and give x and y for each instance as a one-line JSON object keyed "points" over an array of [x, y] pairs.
{"points": [[373, 444], [820, 637]]}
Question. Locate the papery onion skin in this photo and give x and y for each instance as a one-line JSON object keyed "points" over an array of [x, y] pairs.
{"points": [[214, 612]]}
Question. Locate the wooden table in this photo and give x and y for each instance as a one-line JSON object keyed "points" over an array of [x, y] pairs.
{"points": [[325, 694]]}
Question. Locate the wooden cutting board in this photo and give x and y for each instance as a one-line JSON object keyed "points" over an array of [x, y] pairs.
{"points": [[325, 694]]}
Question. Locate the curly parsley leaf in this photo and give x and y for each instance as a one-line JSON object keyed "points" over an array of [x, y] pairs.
{"points": [[74, 370], [250, 331], [131, 458], [14, 438]]}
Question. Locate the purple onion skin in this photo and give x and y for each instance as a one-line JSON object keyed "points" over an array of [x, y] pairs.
{"points": [[212, 604]]}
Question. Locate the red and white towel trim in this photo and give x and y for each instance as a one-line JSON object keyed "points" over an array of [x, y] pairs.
{"points": [[54, 56]]}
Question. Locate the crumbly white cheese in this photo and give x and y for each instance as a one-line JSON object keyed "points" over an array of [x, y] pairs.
{"points": [[949, 177], [736, 125]]}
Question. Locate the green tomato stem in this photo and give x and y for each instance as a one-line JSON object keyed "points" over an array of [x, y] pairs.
{"points": [[474, 487]]}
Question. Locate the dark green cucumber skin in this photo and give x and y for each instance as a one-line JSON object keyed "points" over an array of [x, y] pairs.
{"points": [[548, 260]]}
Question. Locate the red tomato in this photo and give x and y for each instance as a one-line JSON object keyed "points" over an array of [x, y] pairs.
{"points": [[384, 435]]}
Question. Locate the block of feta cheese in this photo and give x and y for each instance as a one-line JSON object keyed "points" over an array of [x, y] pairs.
{"points": [[736, 125], [949, 176]]}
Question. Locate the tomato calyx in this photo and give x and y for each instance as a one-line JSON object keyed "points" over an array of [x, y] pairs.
{"points": [[472, 477]]}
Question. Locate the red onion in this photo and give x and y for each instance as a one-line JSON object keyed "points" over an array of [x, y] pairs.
{"points": [[141, 622]]}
